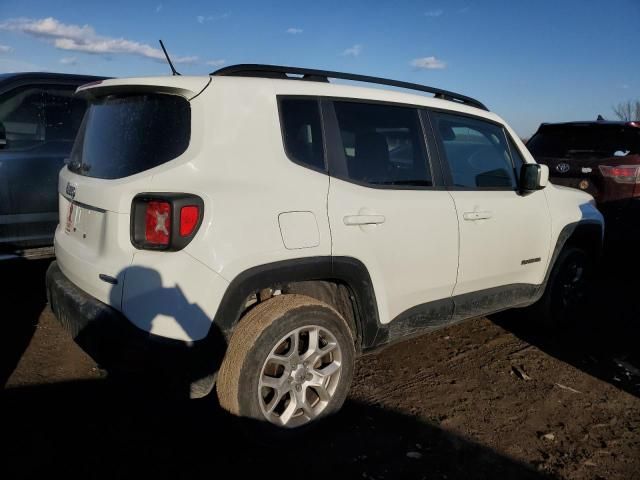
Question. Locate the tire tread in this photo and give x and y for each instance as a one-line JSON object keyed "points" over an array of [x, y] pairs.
{"points": [[247, 333]]}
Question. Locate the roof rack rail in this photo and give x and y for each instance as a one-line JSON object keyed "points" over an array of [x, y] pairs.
{"points": [[276, 71]]}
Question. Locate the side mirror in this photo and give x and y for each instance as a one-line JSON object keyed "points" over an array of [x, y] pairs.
{"points": [[533, 176], [3, 137]]}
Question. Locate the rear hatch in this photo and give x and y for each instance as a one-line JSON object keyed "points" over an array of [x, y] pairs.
{"points": [[131, 128], [578, 153]]}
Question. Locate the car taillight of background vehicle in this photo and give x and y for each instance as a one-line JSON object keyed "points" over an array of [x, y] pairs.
{"points": [[165, 221], [622, 173]]}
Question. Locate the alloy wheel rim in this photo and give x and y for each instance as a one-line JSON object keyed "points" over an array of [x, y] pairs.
{"points": [[300, 376]]}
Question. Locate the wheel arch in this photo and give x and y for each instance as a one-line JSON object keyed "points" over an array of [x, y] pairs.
{"points": [[343, 282], [586, 234]]}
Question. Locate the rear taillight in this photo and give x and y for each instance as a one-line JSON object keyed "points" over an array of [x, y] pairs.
{"points": [[188, 219], [621, 173], [165, 221], [157, 223]]}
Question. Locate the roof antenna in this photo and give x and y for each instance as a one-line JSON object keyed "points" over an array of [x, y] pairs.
{"points": [[173, 70]]}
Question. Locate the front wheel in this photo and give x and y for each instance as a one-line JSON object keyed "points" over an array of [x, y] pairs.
{"points": [[289, 363], [565, 300]]}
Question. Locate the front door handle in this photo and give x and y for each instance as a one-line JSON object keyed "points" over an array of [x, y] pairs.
{"points": [[363, 219], [472, 216]]}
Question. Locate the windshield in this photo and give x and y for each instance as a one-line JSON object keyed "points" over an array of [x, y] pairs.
{"points": [[122, 135], [588, 141]]}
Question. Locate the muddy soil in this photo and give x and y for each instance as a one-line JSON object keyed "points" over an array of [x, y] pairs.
{"points": [[488, 398]]}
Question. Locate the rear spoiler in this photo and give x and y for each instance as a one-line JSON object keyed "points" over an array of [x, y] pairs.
{"points": [[187, 87]]}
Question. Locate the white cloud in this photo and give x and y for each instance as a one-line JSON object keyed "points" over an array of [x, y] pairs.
{"points": [[434, 13], [212, 18], [48, 28], [428, 63], [159, 8], [216, 63], [5, 49], [69, 60], [84, 39], [294, 31], [352, 51]]}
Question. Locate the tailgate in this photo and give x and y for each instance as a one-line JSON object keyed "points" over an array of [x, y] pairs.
{"points": [[131, 127], [92, 239]]}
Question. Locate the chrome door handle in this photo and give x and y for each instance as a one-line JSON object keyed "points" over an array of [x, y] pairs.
{"points": [[476, 215], [363, 219]]}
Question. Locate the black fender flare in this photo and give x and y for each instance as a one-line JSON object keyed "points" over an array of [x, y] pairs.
{"points": [[345, 270], [584, 229]]}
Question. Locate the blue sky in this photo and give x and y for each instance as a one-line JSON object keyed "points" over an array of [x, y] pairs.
{"points": [[529, 61]]}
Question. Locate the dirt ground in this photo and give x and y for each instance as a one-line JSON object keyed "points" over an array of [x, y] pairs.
{"points": [[488, 398]]}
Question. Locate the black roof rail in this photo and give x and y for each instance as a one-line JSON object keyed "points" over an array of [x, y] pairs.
{"points": [[276, 71]]}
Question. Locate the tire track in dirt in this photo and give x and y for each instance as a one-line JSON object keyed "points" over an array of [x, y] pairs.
{"points": [[459, 356]]}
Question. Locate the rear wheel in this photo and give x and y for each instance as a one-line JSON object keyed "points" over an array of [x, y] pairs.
{"points": [[565, 300], [289, 363]]}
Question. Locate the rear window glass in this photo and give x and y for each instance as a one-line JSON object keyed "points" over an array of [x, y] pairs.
{"points": [[122, 135], [585, 141]]}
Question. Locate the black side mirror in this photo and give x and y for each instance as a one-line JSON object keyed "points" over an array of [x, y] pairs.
{"points": [[3, 137], [533, 176]]}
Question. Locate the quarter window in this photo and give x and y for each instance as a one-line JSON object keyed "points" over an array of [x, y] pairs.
{"points": [[302, 131], [476, 152], [382, 144]]}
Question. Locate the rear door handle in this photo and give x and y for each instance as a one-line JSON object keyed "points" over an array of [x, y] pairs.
{"points": [[472, 216], [363, 219]]}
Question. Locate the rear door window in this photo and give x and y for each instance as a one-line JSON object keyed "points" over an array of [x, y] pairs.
{"points": [[122, 135], [476, 152], [383, 144]]}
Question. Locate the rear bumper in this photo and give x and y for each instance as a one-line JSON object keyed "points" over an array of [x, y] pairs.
{"points": [[114, 343]]}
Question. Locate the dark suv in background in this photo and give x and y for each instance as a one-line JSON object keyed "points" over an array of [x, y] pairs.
{"points": [[39, 118], [601, 158]]}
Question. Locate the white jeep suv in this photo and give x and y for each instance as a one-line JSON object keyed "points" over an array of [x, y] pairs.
{"points": [[257, 229]]}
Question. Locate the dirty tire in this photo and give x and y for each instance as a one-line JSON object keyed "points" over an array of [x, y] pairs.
{"points": [[566, 299], [257, 333]]}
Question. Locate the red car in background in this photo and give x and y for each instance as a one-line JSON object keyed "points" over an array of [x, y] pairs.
{"points": [[602, 158]]}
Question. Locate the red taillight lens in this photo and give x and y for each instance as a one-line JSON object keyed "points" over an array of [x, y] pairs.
{"points": [[622, 173], [165, 221], [188, 219], [158, 223]]}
